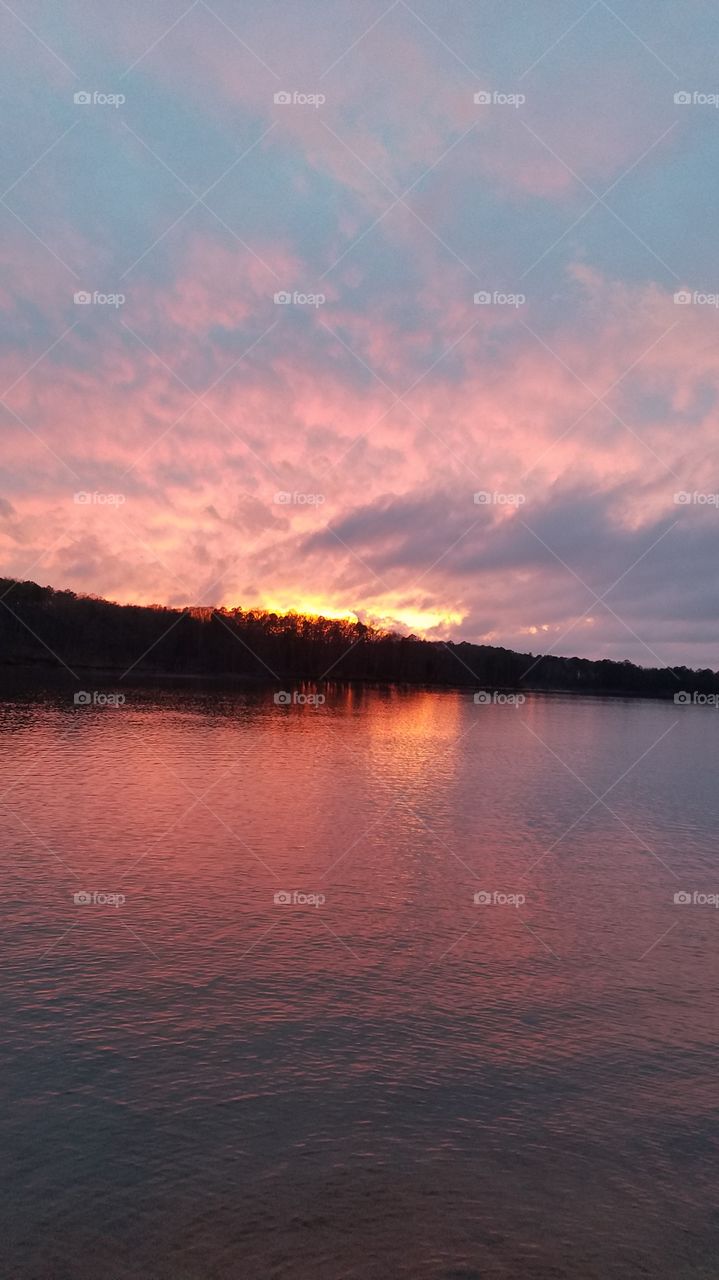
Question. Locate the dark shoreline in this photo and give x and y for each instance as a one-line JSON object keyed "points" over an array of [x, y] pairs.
{"points": [[44, 632]]}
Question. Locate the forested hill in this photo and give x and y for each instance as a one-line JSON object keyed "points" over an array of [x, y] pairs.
{"points": [[44, 628]]}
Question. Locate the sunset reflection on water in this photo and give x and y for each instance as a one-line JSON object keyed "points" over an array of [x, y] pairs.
{"points": [[394, 1077]]}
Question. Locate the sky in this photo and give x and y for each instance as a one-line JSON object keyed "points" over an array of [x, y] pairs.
{"points": [[404, 311]]}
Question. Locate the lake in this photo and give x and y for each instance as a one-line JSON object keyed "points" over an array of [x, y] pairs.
{"points": [[390, 985]]}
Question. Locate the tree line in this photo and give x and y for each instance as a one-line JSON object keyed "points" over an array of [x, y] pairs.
{"points": [[44, 628]]}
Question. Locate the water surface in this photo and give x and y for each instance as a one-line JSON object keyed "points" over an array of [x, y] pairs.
{"points": [[202, 1082]]}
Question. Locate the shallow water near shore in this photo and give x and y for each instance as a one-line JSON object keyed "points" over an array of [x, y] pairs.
{"points": [[395, 984]]}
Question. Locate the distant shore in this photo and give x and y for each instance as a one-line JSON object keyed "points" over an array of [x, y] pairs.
{"points": [[43, 630]]}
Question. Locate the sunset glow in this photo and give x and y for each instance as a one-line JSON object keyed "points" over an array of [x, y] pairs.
{"points": [[450, 411]]}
